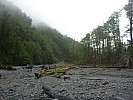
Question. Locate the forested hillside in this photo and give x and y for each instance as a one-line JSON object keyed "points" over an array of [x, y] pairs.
{"points": [[22, 43]]}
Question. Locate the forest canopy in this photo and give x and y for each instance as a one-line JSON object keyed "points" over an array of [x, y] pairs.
{"points": [[22, 42]]}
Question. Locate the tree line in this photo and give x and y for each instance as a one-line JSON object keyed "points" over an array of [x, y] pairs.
{"points": [[105, 46], [22, 43]]}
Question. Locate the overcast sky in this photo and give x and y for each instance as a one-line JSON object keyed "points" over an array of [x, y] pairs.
{"points": [[74, 18]]}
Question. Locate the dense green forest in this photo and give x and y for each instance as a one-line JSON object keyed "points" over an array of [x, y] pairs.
{"points": [[23, 43]]}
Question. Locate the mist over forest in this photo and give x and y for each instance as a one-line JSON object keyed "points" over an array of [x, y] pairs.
{"points": [[24, 41], [38, 62]]}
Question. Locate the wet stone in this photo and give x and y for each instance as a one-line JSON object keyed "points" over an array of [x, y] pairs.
{"points": [[11, 90], [105, 83], [83, 89]]}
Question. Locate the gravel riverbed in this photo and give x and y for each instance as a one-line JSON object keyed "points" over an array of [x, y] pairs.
{"points": [[81, 83]]}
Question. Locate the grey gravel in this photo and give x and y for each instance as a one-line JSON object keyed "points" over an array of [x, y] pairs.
{"points": [[82, 83]]}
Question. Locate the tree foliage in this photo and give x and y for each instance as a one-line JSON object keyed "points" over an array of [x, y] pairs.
{"points": [[103, 45], [22, 43]]}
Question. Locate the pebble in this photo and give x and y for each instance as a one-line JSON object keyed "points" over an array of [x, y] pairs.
{"points": [[29, 88], [105, 83]]}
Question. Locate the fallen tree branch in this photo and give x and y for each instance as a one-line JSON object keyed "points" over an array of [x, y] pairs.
{"points": [[52, 94], [58, 71]]}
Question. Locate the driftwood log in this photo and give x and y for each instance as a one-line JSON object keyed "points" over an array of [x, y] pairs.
{"points": [[52, 94]]}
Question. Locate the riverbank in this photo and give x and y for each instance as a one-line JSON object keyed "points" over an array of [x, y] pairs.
{"points": [[81, 83]]}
